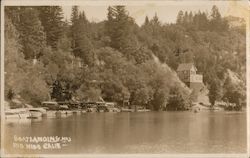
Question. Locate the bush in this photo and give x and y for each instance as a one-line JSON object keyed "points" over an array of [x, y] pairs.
{"points": [[176, 100]]}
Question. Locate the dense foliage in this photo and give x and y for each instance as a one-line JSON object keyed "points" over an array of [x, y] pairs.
{"points": [[117, 60]]}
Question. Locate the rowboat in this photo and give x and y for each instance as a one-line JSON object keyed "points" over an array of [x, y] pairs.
{"points": [[51, 113], [127, 110], [114, 110], [18, 121], [90, 109], [78, 112], [20, 113], [37, 112], [64, 113], [143, 110], [83, 111]]}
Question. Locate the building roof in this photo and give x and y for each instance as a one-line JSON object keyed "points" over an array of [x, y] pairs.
{"points": [[186, 66]]}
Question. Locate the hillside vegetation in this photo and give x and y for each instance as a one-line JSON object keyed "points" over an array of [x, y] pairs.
{"points": [[47, 57]]}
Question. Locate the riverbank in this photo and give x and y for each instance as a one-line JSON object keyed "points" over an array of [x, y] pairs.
{"points": [[63, 109]]}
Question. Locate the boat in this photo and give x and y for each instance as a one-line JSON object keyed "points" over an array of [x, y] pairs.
{"points": [[64, 110], [102, 108], [83, 111], [143, 110], [51, 113], [111, 107], [18, 121], [127, 110], [197, 107], [37, 112], [90, 109], [216, 109], [77, 112], [20, 113], [38, 119], [114, 110], [64, 113]]}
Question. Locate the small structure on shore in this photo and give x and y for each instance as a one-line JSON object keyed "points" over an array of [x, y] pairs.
{"points": [[187, 73]]}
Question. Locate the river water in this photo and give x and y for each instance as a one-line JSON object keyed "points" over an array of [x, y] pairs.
{"points": [[149, 132]]}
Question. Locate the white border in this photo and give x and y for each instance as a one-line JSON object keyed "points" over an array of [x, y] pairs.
{"points": [[112, 2], [2, 77], [133, 155], [248, 80], [116, 2]]}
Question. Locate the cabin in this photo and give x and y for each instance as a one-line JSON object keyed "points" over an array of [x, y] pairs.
{"points": [[187, 72]]}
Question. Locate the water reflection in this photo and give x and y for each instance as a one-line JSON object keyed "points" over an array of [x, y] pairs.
{"points": [[153, 132]]}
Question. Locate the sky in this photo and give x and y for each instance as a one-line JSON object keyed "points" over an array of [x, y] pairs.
{"points": [[165, 10]]}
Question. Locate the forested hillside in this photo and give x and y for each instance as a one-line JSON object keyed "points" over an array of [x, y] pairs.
{"points": [[47, 57]]}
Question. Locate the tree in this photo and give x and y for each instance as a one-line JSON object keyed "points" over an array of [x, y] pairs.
{"points": [[215, 14], [233, 93], [113, 89], [13, 13], [155, 24], [180, 17], [32, 34], [51, 19], [22, 78], [175, 100], [57, 91], [215, 91], [81, 41], [118, 60], [13, 59], [155, 21], [118, 27], [64, 42], [74, 25], [159, 100], [74, 14], [143, 96], [190, 17], [146, 22], [200, 21], [216, 21], [142, 55], [185, 18], [89, 93]]}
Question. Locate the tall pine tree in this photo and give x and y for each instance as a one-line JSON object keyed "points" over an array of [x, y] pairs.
{"points": [[33, 38], [180, 17], [81, 40], [216, 22], [51, 18], [118, 26], [146, 21]]}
